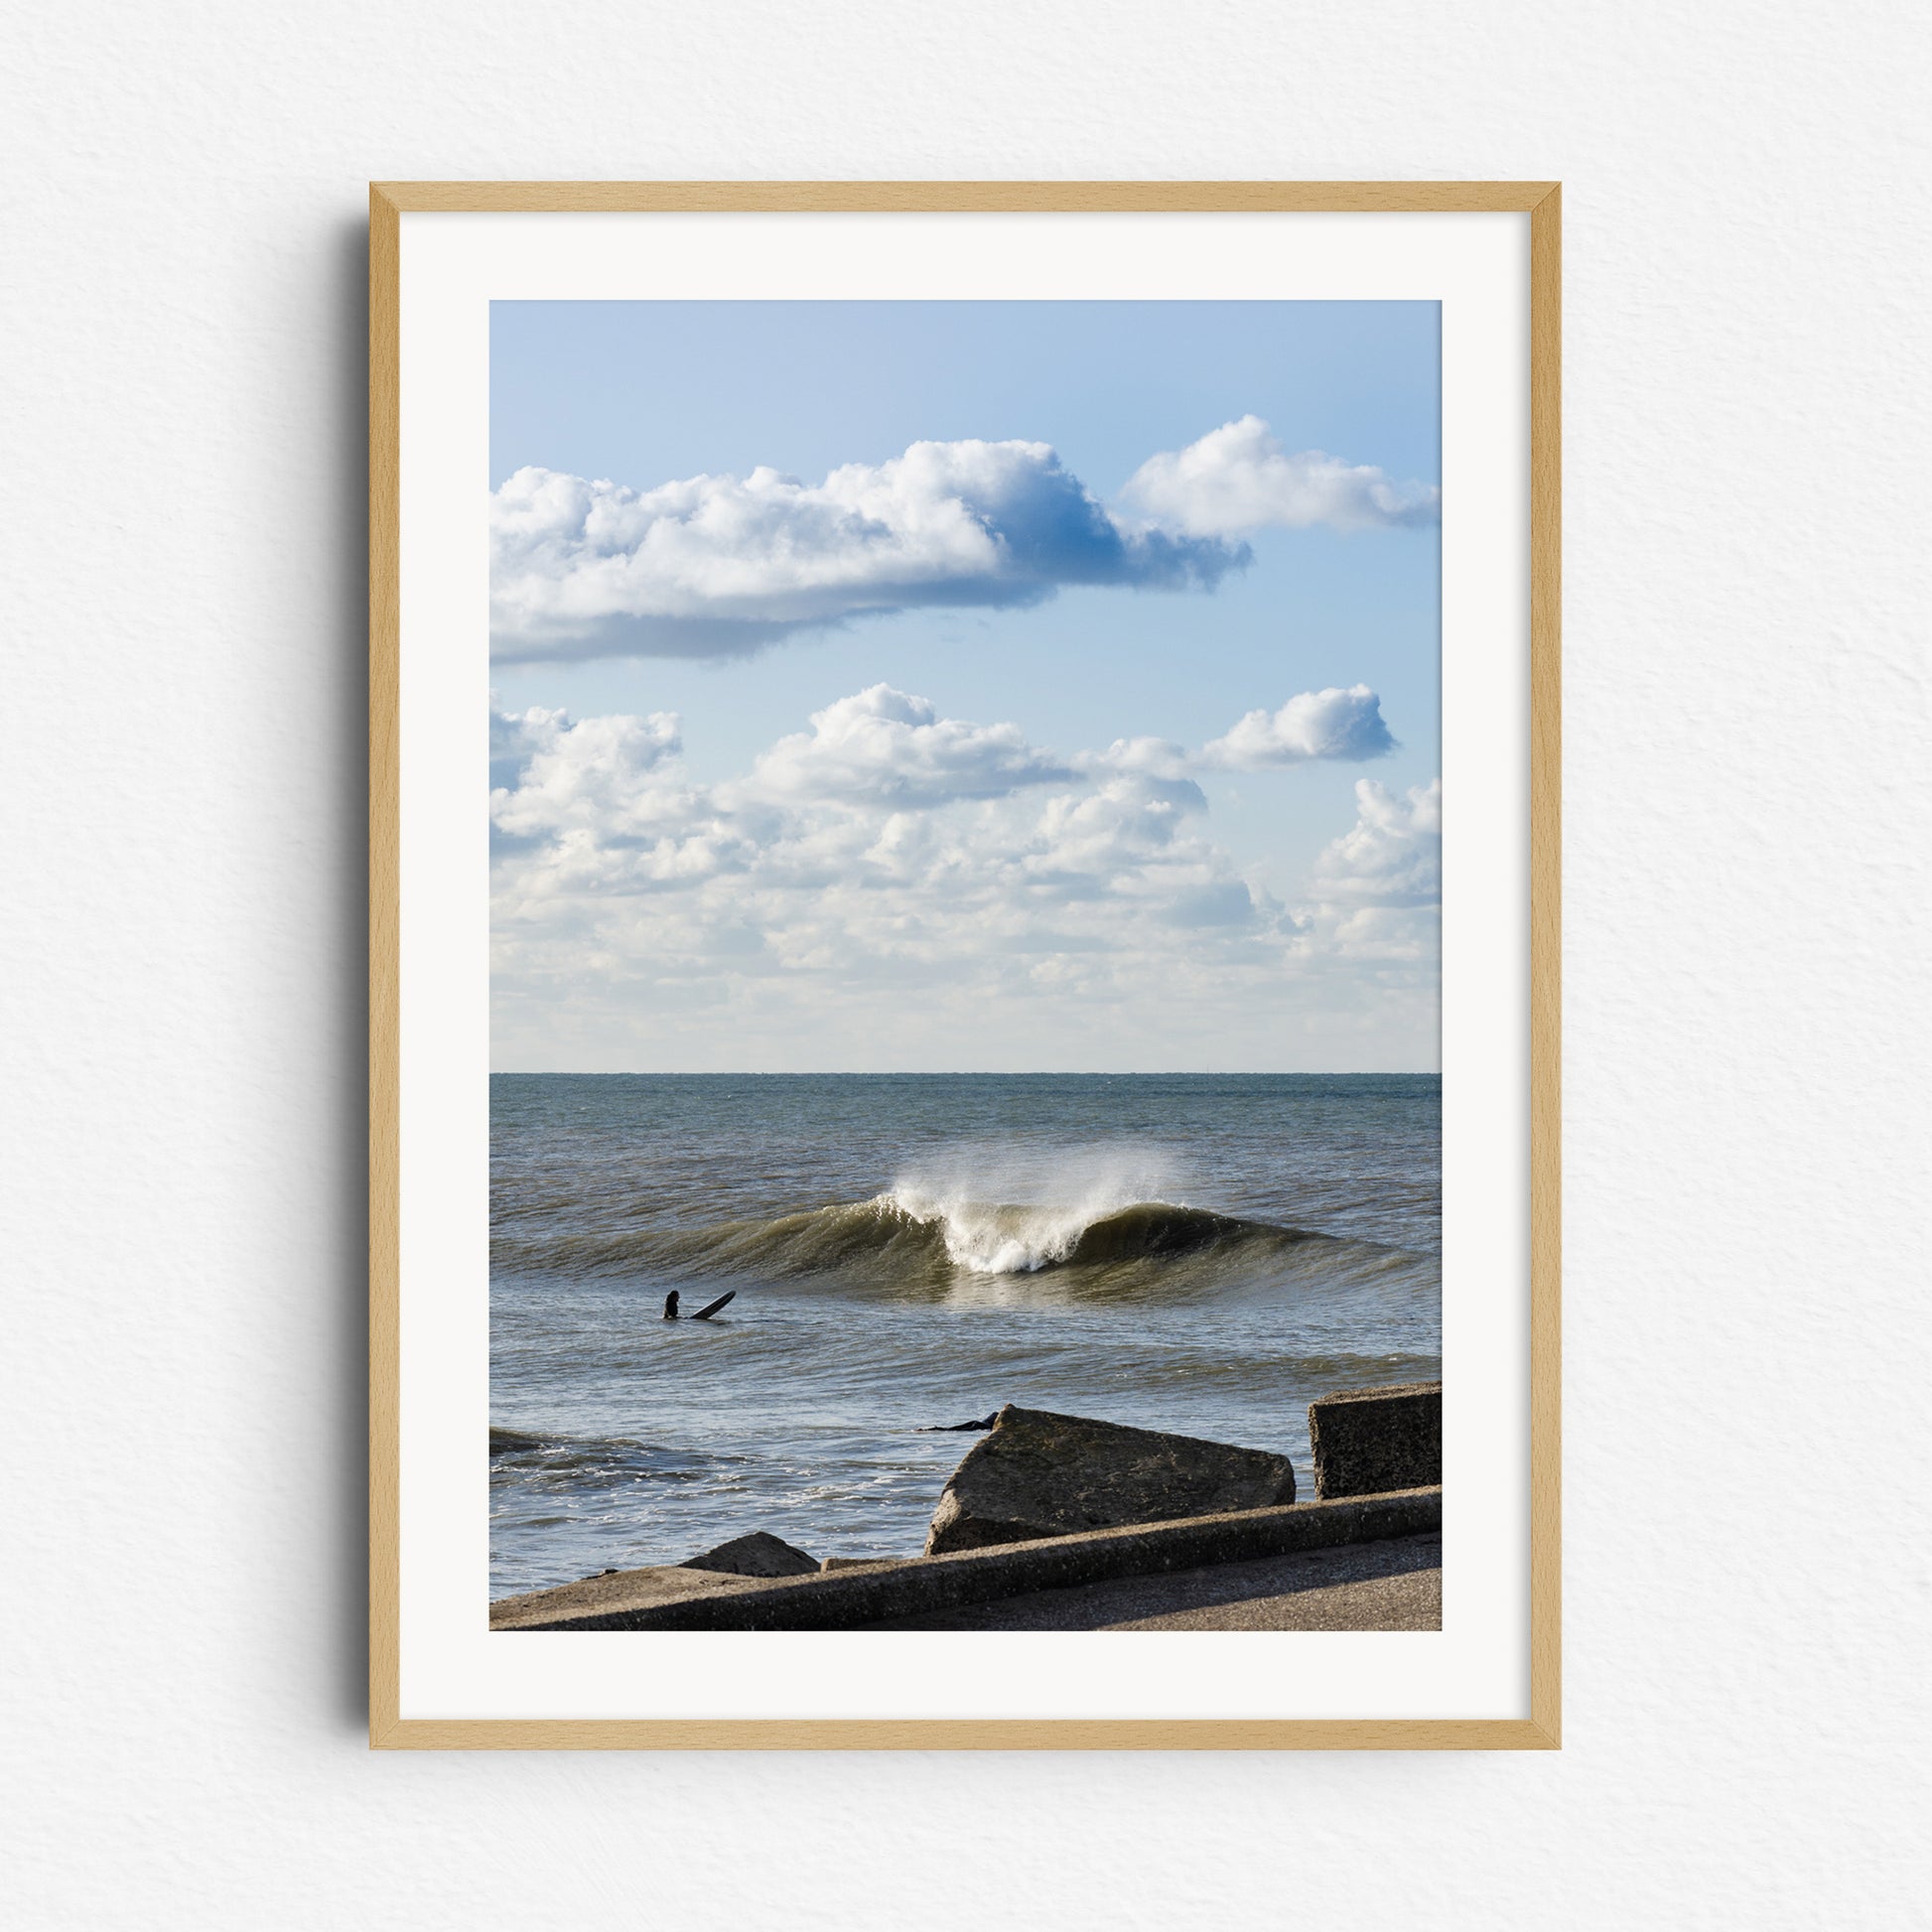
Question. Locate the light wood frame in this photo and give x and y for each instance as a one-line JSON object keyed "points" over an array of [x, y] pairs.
{"points": [[1541, 202]]}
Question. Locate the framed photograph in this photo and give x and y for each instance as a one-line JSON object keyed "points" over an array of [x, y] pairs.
{"points": [[965, 965]]}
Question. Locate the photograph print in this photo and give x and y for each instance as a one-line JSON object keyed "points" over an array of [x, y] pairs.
{"points": [[965, 830]]}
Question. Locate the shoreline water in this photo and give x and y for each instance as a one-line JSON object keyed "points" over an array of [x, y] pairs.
{"points": [[1260, 1239]]}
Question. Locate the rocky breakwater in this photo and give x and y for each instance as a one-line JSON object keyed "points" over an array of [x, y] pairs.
{"points": [[1039, 1474], [1049, 1502]]}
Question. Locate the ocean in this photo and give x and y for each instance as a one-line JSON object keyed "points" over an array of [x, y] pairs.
{"points": [[1203, 1253]]}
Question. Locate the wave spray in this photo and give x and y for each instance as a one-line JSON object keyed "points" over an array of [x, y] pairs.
{"points": [[1012, 1212]]}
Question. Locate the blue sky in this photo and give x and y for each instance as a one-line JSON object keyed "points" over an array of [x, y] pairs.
{"points": [[645, 394]]}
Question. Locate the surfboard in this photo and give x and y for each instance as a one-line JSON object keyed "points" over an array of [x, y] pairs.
{"points": [[711, 1308]]}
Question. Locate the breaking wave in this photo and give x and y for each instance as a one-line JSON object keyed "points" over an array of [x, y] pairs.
{"points": [[907, 1233], [1014, 1240]]}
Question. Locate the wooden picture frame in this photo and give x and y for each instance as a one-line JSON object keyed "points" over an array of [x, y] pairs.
{"points": [[389, 204]]}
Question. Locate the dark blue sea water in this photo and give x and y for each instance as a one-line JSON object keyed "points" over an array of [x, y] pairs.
{"points": [[1203, 1253]]}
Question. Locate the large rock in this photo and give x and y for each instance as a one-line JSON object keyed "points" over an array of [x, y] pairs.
{"points": [[1370, 1439], [1039, 1475], [759, 1554]]}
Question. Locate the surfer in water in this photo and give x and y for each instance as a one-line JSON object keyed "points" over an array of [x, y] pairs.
{"points": [[703, 1314]]}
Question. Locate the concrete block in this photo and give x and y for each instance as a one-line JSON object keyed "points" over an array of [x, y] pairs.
{"points": [[1367, 1441]]}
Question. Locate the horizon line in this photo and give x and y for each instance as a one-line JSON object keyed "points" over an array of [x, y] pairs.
{"points": [[965, 1073]]}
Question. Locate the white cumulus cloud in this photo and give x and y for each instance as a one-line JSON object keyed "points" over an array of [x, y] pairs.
{"points": [[604, 803], [715, 565], [1150, 757], [1393, 853], [1330, 724], [1375, 896], [885, 745], [1241, 477], [601, 773]]}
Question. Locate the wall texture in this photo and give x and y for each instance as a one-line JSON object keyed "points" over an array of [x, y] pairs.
{"points": [[182, 511]]}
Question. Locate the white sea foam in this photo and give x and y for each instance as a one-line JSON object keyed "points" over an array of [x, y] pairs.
{"points": [[1004, 1212]]}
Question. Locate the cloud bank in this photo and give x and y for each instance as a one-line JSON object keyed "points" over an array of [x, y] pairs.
{"points": [[1241, 477], [891, 868], [722, 565]]}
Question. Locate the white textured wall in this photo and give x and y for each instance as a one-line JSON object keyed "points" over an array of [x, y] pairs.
{"points": [[181, 359]]}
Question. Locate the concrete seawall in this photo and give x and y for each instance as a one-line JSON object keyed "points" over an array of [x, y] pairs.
{"points": [[847, 1598]]}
